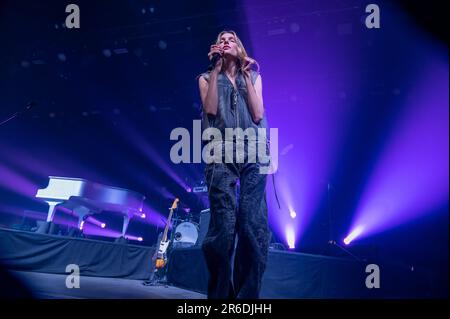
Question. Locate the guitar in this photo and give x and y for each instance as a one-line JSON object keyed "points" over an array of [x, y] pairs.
{"points": [[161, 256]]}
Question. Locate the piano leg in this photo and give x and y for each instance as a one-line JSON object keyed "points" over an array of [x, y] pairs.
{"points": [[44, 227], [51, 210], [83, 213], [126, 221]]}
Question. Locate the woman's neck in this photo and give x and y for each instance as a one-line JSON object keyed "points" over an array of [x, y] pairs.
{"points": [[230, 67]]}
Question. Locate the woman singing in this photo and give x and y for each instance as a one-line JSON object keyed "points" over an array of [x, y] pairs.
{"points": [[231, 94]]}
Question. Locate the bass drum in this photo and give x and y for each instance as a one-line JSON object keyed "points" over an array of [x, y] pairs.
{"points": [[186, 235]]}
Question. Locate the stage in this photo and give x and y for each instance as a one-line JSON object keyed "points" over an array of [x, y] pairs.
{"points": [[36, 266], [52, 286]]}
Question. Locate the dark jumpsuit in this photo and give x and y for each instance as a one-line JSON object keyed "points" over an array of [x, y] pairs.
{"points": [[243, 213]]}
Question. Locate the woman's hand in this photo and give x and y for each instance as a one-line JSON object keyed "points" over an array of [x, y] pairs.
{"points": [[247, 67], [216, 49]]}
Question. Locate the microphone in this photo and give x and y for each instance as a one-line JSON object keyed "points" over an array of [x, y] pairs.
{"points": [[216, 56]]}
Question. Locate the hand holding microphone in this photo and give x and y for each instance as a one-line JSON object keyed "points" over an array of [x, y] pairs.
{"points": [[215, 56]]}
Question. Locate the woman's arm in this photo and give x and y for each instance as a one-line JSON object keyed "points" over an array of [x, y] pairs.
{"points": [[255, 99], [208, 93], [208, 89]]}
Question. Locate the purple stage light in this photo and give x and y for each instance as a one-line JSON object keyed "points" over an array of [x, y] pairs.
{"points": [[143, 215], [135, 238], [305, 101], [353, 234], [410, 178], [95, 221], [43, 164], [290, 236], [15, 182], [293, 214], [103, 225], [93, 230], [152, 155], [165, 193], [153, 217]]}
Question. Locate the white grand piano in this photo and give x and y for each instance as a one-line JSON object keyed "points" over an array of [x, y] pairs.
{"points": [[85, 198]]}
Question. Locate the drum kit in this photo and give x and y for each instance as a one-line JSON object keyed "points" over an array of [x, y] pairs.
{"points": [[186, 231]]}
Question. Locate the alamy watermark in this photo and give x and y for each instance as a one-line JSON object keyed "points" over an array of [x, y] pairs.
{"points": [[373, 19], [236, 146], [73, 19], [373, 279], [73, 279]]}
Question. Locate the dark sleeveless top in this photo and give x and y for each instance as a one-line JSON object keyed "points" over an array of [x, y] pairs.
{"points": [[233, 109]]}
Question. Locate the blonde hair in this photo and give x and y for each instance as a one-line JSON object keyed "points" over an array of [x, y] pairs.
{"points": [[242, 53]]}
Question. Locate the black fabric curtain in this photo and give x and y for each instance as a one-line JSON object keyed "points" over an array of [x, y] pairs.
{"points": [[28, 251]]}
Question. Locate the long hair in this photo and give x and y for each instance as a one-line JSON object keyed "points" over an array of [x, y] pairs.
{"points": [[242, 53]]}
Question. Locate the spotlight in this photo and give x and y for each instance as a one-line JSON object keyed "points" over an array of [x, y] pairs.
{"points": [[293, 214], [140, 239], [102, 225], [188, 189], [355, 233], [290, 236], [143, 215]]}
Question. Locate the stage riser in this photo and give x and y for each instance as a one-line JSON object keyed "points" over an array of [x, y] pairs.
{"points": [[28, 251], [288, 275], [295, 275]]}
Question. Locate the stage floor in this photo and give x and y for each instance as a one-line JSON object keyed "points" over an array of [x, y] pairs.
{"points": [[53, 286]]}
